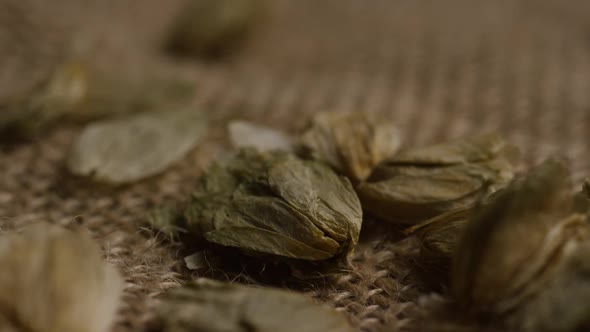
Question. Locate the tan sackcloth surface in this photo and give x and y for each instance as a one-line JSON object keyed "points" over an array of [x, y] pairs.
{"points": [[441, 69]]}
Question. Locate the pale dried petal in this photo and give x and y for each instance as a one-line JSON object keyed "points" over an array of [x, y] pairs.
{"points": [[246, 134], [129, 149], [55, 281], [206, 305]]}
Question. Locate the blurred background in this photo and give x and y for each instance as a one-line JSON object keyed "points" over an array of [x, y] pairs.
{"points": [[441, 69]]}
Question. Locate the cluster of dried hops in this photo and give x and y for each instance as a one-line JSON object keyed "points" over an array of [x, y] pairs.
{"points": [[296, 199], [516, 247]]}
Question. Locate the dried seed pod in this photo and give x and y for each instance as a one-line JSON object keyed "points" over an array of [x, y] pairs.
{"points": [[422, 183], [129, 149], [30, 114], [55, 281], [213, 27], [277, 204], [207, 305], [514, 247], [245, 134], [352, 143]]}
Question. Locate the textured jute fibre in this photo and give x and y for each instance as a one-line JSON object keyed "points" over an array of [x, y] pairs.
{"points": [[440, 69]]}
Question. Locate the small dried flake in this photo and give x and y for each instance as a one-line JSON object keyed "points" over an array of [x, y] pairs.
{"points": [[416, 185], [30, 114], [274, 203], [129, 149], [245, 134], [352, 143], [516, 247], [212, 28], [55, 281], [196, 261], [206, 305]]}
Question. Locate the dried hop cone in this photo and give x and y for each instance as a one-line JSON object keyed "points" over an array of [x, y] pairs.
{"points": [[274, 203], [49, 101], [207, 305], [523, 259], [55, 281], [352, 143], [421, 183], [213, 27]]}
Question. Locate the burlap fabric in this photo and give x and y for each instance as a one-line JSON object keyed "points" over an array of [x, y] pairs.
{"points": [[442, 69]]}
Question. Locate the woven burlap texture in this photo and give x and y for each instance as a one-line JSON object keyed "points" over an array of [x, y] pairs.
{"points": [[441, 69]]}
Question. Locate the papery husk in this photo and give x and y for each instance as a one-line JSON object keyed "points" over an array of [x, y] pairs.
{"points": [[129, 149]]}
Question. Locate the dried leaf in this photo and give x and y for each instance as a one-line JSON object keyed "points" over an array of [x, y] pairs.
{"points": [[206, 305], [273, 203], [245, 134], [514, 247], [352, 143], [55, 281], [213, 27], [129, 149], [416, 185]]}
